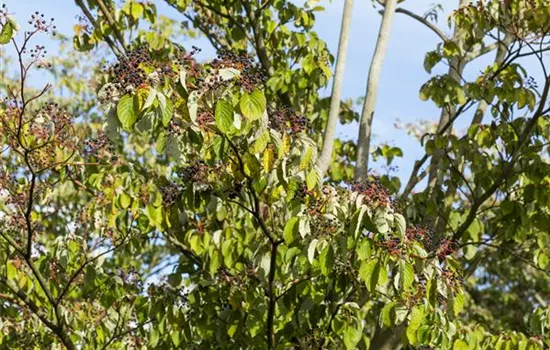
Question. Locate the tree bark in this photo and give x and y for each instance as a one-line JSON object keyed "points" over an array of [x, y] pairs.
{"points": [[367, 115], [328, 138]]}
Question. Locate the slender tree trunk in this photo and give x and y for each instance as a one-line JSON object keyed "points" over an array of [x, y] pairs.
{"points": [[328, 138], [367, 115]]}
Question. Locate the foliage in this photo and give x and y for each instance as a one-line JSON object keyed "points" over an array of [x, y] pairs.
{"points": [[178, 205]]}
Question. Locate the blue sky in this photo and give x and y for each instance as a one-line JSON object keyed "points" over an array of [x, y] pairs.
{"points": [[402, 75]]}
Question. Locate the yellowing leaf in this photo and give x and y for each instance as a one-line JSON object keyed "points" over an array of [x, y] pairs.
{"points": [[261, 142], [269, 159]]}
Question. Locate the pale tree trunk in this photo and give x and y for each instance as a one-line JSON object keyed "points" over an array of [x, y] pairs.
{"points": [[367, 115], [328, 138]]}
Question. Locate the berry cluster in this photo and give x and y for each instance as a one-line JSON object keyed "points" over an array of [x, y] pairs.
{"points": [[198, 172], [174, 128], [212, 82], [225, 276], [52, 128], [322, 226], [108, 93], [374, 192], [391, 243], [170, 193], [446, 247], [128, 71], [235, 190], [530, 83], [131, 277], [187, 59], [40, 24], [421, 234], [302, 192], [205, 118], [100, 147], [452, 278], [286, 120], [251, 74], [52, 121]]}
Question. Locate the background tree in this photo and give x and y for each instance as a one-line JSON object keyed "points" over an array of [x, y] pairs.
{"points": [[177, 204]]}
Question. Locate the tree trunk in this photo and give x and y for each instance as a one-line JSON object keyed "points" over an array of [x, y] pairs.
{"points": [[328, 138], [365, 124]]}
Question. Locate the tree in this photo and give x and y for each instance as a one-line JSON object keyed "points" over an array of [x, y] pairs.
{"points": [[367, 115], [335, 98], [183, 207]]}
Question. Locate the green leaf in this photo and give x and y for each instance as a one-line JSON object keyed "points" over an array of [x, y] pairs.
{"points": [[460, 344], [542, 260], [124, 200], [357, 220], [431, 59], [196, 244], [175, 336], [252, 166], [261, 142], [232, 329], [127, 110], [11, 270], [326, 259], [166, 109], [365, 249], [352, 336], [312, 179], [253, 105], [417, 316], [307, 158], [407, 275], [224, 116], [431, 291], [182, 77], [151, 97], [388, 314], [193, 104], [291, 230], [268, 160], [6, 34], [161, 142], [370, 273], [311, 250], [228, 73], [401, 225], [458, 303]]}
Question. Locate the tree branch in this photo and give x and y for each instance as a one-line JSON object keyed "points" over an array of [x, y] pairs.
{"points": [[506, 171], [424, 21], [55, 328]]}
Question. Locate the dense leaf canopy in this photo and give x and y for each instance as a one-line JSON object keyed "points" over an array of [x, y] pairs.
{"points": [[163, 202]]}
